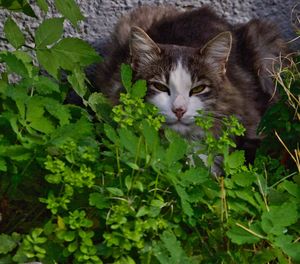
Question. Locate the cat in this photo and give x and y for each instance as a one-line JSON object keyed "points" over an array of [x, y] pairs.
{"points": [[195, 60]]}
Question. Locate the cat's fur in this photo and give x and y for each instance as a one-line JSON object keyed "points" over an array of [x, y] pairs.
{"points": [[183, 50]]}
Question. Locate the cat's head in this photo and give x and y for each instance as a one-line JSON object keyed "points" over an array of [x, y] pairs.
{"points": [[181, 80]]}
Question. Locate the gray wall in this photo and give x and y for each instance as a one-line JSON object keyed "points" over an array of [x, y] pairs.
{"points": [[101, 15]]}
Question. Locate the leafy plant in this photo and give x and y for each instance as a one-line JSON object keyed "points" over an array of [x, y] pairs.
{"points": [[97, 184]]}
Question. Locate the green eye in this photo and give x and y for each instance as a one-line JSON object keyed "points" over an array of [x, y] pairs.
{"points": [[161, 87], [198, 89]]}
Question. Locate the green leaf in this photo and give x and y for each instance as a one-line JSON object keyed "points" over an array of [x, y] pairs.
{"points": [[150, 134], [176, 149], [18, 6], [20, 256], [128, 182], [3, 81], [71, 52], [111, 133], [286, 244], [132, 165], [115, 191], [98, 200], [100, 105], [139, 186], [247, 195], [128, 140], [244, 178], [7, 259], [58, 110], [27, 61], [13, 33], [139, 89], [278, 218], [184, 197], [53, 178], [77, 80], [79, 130], [70, 10], [240, 236], [142, 211], [265, 256], [157, 203], [44, 85], [291, 188], [49, 32], [73, 246], [35, 116], [195, 176], [169, 250], [69, 236], [126, 76], [3, 166], [17, 152], [13, 121], [234, 160], [173, 246], [51, 66], [14, 64], [42, 5], [8, 243]]}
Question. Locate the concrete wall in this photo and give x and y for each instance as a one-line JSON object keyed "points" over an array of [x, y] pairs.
{"points": [[101, 15]]}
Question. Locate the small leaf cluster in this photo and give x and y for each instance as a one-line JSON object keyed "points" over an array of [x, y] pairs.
{"points": [[132, 109]]}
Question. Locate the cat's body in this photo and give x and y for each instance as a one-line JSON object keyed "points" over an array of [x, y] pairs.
{"points": [[195, 60]]}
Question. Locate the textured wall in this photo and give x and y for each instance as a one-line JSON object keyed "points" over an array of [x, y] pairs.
{"points": [[101, 15]]}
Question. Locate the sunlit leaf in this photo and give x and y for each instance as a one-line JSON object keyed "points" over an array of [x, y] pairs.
{"points": [[48, 32], [70, 10], [13, 33]]}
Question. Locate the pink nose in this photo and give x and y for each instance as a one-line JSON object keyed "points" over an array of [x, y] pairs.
{"points": [[179, 112]]}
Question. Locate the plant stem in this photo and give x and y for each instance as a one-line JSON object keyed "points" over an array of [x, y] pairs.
{"points": [[250, 231], [224, 202], [262, 193], [119, 166], [283, 179]]}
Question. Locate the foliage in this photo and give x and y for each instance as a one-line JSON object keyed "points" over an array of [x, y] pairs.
{"points": [[99, 185], [284, 121]]}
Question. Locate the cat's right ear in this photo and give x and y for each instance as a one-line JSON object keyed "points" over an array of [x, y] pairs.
{"points": [[217, 51], [143, 49]]}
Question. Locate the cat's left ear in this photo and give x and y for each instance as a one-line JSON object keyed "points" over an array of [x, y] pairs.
{"points": [[143, 50], [217, 51]]}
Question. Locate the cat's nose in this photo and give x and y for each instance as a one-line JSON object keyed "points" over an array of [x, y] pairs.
{"points": [[179, 112]]}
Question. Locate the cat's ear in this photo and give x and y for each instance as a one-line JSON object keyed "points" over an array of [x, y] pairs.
{"points": [[217, 51], [143, 49]]}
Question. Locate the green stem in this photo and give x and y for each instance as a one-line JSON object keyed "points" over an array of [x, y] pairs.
{"points": [[149, 257], [156, 183], [136, 160], [119, 166], [204, 243], [283, 179], [250, 231]]}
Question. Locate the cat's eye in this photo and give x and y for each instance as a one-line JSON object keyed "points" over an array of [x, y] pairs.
{"points": [[198, 89], [161, 87]]}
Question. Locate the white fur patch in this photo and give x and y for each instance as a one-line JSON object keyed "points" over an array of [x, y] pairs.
{"points": [[180, 80], [180, 84]]}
